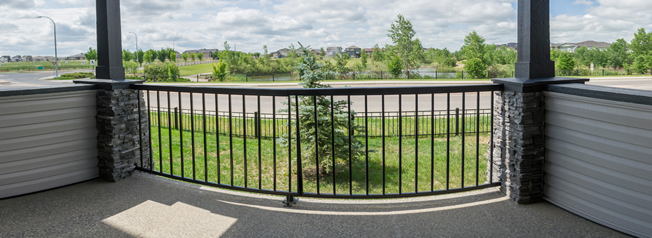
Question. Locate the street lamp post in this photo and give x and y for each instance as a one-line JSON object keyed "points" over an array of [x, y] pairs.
{"points": [[137, 61], [56, 57]]}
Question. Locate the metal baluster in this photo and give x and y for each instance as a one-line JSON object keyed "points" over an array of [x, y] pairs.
{"points": [[217, 140], [463, 133], [158, 124], [203, 100], [140, 130], [183, 172], [231, 135], [192, 134], [400, 144], [350, 137], [416, 143], [244, 138], [383, 136], [366, 143], [170, 135], [260, 175], [477, 141], [448, 139], [333, 142], [432, 143], [314, 100]]}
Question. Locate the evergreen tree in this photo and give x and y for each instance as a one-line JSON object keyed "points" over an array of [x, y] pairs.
{"points": [[321, 146]]}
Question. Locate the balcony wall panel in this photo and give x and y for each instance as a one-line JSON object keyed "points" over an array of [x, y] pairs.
{"points": [[47, 141], [599, 158]]}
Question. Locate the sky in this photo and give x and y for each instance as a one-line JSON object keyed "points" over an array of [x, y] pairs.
{"points": [[248, 25]]}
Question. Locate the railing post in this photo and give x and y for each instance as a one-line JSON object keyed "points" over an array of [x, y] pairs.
{"points": [[457, 121]]}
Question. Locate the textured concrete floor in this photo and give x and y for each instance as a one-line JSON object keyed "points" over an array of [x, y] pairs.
{"points": [[148, 206]]}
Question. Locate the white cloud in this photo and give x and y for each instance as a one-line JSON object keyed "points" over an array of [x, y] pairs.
{"points": [[320, 23]]}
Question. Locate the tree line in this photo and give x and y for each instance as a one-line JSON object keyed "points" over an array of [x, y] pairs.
{"points": [[635, 55]]}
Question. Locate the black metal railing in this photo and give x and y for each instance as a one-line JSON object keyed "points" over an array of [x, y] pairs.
{"points": [[337, 143]]}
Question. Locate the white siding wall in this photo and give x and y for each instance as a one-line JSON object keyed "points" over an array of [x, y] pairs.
{"points": [[46, 141], [599, 160]]}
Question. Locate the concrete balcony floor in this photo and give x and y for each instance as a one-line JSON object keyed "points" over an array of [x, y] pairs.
{"points": [[149, 206]]}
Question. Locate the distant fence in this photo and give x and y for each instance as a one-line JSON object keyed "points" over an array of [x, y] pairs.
{"points": [[262, 124], [195, 62]]}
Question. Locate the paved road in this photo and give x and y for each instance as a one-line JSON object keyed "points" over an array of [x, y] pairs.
{"points": [[358, 102]]}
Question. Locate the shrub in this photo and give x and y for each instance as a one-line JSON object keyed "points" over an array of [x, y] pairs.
{"points": [[79, 75], [475, 68], [395, 67], [131, 67], [219, 71], [161, 72]]}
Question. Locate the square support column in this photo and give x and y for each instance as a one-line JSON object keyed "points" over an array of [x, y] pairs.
{"points": [[123, 129], [519, 112]]}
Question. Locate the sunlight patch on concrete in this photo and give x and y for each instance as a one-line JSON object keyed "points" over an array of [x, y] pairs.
{"points": [[334, 213], [152, 219]]}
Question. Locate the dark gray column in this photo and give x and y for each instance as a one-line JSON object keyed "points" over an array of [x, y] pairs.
{"points": [[534, 38], [123, 131], [519, 112], [109, 40]]}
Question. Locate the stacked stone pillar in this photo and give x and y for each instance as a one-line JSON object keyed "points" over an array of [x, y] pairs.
{"points": [[123, 130]]}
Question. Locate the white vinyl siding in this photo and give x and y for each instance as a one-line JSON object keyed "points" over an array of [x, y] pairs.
{"points": [[47, 141], [599, 160]]}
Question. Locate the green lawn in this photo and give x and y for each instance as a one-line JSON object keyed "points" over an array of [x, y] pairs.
{"points": [[195, 69], [232, 162]]}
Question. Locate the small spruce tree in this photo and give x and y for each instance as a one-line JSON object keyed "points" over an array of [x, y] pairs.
{"points": [[322, 146]]}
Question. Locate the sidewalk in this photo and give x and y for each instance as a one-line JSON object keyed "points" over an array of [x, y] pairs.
{"points": [[149, 206]]}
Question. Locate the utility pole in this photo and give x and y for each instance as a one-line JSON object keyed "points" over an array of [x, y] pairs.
{"points": [[136, 46], [56, 57]]}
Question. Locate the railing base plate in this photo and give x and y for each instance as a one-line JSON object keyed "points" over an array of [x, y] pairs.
{"points": [[289, 200]]}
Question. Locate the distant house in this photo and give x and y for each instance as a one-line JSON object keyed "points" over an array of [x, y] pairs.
{"points": [[5, 58], [332, 51], [16, 58], [44, 58], [207, 52], [79, 56], [369, 51], [572, 47], [27, 58], [353, 51], [511, 45], [282, 53], [315, 52]]}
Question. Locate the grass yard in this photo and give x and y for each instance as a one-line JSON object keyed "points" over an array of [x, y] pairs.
{"points": [[227, 164], [195, 69]]}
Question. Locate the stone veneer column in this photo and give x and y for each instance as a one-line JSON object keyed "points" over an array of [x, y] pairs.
{"points": [[122, 129], [519, 142], [519, 112]]}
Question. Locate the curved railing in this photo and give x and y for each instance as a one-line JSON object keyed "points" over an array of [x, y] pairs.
{"points": [[373, 142]]}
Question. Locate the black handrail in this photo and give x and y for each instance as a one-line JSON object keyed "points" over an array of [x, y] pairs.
{"points": [[352, 176]]}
